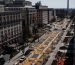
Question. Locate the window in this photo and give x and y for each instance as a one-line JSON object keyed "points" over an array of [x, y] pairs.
{"points": [[0, 21], [17, 29], [14, 31], [2, 36], [4, 18], [11, 32], [8, 33], [5, 35], [0, 18], [7, 19], [10, 18]]}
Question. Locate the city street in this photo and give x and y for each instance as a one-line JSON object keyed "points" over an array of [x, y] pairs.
{"points": [[41, 39], [14, 59], [20, 54], [36, 32], [52, 55]]}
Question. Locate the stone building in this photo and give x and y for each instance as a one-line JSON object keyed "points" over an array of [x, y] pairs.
{"points": [[50, 15], [42, 15], [11, 29]]}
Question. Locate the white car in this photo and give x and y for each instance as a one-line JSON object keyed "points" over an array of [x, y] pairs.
{"points": [[22, 59], [17, 63]]}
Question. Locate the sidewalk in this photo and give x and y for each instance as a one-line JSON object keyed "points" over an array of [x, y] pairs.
{"points": [[14, 59]]}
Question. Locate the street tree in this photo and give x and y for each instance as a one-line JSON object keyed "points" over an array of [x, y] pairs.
{"points": [[38, 4]]}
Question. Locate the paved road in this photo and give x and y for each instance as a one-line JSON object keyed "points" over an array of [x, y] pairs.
{"points": [[19, 55], [52, 55], [11, 62]]}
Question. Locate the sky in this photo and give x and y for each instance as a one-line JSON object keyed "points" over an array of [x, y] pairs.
{"points": [[55, 3]]}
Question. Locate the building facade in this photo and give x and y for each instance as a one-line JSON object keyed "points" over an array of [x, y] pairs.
{"points": [[44, 10], [50, 15], [39, 18], [11, 3], [28, 3], [29, 18], [61, 12], [10, 29], [45, 16], [42, 16], [30, 21]]}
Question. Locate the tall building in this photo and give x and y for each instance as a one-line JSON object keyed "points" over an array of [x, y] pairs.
{"points": [[10, 29], [29, 15], [42, 15], [50, 15], [73, 12], [31, 21], [67, 7], [60, 12]]}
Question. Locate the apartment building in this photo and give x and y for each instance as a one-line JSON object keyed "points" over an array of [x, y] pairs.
{"points": [[10, 29], [73, 12], [29, 18], [42, 15], [32, 19], [50, 15], [45, 16], [61, 12]]}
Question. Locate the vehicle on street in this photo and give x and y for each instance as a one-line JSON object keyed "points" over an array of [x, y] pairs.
{"points": [[22, 59], [17, 63]]}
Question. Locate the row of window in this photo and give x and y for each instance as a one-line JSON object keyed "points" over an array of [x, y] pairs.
{"points": [[7, 37], [9, 20], [10, 17], [14, 40], [15, 9], [8, 24], [10, 32]]}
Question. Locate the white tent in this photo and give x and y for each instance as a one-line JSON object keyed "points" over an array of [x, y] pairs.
{"points": [[63, 51]]}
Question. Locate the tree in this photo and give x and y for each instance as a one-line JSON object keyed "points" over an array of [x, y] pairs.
{"points": [[2, 61], [38, 4], [54, 19], [9, 50]]}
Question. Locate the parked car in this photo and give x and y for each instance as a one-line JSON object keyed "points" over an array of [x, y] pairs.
{"points": [[22, 59], [17, 63]]}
